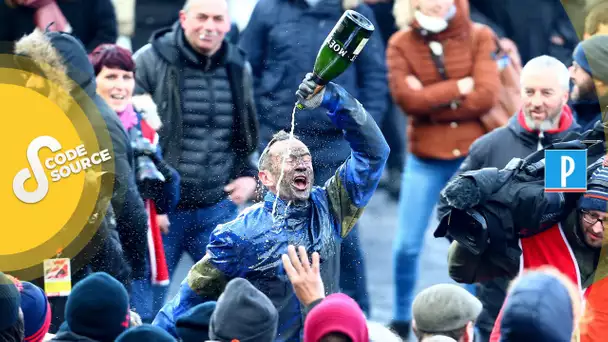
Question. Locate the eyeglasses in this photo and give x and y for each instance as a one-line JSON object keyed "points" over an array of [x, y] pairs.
{"points": [[593, 219]]}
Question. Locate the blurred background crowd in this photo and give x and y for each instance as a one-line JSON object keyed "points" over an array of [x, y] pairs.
{"points": [[197, 89]]}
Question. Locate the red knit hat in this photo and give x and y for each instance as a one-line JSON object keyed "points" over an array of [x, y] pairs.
{"points": [[336, 313]]}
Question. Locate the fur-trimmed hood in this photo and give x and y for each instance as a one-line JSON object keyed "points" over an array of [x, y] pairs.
{"points": [[62, 58]]}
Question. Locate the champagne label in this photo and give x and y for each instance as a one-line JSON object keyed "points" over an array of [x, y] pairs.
{"points": [[361, 46], [335, 46]]}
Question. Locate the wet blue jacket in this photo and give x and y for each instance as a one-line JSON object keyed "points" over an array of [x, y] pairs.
{"points": [[251, 246]]}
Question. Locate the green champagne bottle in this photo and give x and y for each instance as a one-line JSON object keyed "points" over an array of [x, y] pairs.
{"points": [[341, 47]]}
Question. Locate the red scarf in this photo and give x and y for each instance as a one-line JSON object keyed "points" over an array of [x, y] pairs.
{"points": [[156, 250], [565, 121]]}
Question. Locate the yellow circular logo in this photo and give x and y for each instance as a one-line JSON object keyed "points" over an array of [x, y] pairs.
{"points": [[58, 166]]}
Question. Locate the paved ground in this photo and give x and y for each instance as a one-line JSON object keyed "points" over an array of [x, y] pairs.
{"points": [[380, 216]]}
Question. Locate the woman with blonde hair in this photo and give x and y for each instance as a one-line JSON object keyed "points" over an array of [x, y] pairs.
{"points": [[443, 76]]}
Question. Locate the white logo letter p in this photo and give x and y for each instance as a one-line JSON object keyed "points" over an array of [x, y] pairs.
{"points": [[22, 176], [567, 169]]}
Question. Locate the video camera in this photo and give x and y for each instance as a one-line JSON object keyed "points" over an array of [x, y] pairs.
{"points": [[145, 169], [491, 208]]}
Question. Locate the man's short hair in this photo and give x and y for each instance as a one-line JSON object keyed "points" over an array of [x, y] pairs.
{"points": [[455, 334], [598, 15], [264, 161], [544, 62], [187, 5]]}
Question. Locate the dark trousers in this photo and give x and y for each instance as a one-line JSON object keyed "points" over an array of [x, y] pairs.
{"points": [[353, 279], [393, 128]]}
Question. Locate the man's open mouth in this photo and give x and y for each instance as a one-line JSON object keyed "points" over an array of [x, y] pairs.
{"points": [[300, 183]]}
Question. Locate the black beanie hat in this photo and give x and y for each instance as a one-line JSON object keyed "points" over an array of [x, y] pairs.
{"points": [[243, 313], [10, 302], [98, 308], [193, 326], [147, 333]]}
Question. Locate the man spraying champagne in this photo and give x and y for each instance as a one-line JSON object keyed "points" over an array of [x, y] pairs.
{"points": [[317, 218]]}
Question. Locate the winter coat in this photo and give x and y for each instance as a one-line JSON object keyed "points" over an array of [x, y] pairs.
{"points": [[92, 21], [151, 16], [131, 218], [210, 129], [282, 40], [68, 336], [531, 25], [496, 149], [443, 123], [251, 245], [587, 113]]}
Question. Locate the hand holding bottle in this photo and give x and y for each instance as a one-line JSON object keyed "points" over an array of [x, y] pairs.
{"points": [[466, 85], [306, 89]]}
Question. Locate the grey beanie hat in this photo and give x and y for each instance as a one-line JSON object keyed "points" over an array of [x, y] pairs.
{"points": [[596, 52], [245, 313], [444, 307]]}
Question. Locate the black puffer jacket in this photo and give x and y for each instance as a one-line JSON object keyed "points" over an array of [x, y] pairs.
{"points": [[210, 128], [496, 149]]}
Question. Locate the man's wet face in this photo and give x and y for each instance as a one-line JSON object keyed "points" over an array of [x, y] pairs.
{"points": [[592, 227], [298, 176]]}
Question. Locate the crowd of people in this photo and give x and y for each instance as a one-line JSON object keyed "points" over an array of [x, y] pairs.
{"points": [[198, 108]]}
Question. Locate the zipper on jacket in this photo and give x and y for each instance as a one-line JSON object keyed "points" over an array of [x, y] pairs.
{"points": [[212, 98], [541, 136]]}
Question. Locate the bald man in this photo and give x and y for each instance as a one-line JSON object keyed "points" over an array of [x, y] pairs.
{"points": [[201, 84]]}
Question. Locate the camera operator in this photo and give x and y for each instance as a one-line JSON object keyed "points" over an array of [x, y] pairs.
{"points": [[504, 221], [542, 120], [157, 182]]}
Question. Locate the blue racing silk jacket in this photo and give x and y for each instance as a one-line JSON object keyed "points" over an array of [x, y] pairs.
{"points": [[251, 245]]}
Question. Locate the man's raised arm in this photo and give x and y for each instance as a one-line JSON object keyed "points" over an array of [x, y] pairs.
{"points": [[355, 181]]}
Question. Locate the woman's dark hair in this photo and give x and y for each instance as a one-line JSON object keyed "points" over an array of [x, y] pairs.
{"points": [[111, 56]]}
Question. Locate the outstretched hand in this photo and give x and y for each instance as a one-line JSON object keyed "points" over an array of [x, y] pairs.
{"points": [[307, 88], [306, 279]]}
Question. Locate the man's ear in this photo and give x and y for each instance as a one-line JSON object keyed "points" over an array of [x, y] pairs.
{"points": [[182, 17], [469, 333], [266, 178]]}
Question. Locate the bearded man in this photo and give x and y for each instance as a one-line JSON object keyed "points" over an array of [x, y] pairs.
{"points": [[317, 218], [544, 119], [589, 73]]}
